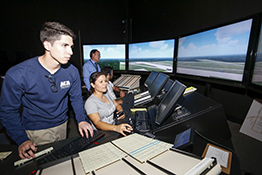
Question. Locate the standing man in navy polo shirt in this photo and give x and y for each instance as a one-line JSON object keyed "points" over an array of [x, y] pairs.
{"points": [[43, 85]]}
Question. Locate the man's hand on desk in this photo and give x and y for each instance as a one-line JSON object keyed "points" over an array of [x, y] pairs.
{"points": [[27, 149], [84, 127]]}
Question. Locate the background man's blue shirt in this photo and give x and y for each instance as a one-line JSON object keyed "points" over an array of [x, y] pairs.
{"points": [[88, 69]]}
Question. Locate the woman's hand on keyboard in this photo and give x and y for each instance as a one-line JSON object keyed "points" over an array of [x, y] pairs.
{"points": [[123, 128]]}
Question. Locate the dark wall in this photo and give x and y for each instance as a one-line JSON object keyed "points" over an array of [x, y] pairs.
{"points": [[97, 21], [153, 20]]}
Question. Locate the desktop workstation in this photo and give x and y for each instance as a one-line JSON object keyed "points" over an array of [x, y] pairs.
{"points": [[169, 26], [206, 116]]}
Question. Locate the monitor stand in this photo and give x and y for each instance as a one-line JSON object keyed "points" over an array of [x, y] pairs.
{"points": [[180, 112], [152, 115]]}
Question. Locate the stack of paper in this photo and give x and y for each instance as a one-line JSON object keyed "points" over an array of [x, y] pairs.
{"points": [[140, 147], [100, 156]]}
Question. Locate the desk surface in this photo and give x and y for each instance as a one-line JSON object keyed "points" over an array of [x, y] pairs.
{"points": [[7, 165]]}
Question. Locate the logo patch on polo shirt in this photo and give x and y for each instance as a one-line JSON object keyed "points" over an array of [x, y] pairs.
{"points": [[64, 84]]}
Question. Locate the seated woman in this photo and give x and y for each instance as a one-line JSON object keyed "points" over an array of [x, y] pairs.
{"points": [[100, 107]]}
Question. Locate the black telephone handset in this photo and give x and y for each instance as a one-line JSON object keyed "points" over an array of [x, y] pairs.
{"points": [[119, 114]]}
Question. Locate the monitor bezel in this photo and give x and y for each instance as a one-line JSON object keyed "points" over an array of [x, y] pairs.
{"points": [[253, 87]]}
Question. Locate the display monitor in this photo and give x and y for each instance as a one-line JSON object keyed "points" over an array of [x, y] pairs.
{"points": [[152, 76], [111, 55], [257, 72], [158, 84], [184, 139], [168, 85], [218, 53], [154, 55], [168, 103]]}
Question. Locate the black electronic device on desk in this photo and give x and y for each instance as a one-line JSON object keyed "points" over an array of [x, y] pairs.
{"points": [[153, 90], [180, 112], [71, 148], [147, 121], [150, 79], [119, 114], [169, 102], [184, 140], [165, 89], [141, 122]]}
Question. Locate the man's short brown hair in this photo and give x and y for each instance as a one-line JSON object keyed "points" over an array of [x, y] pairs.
{"points": [[51, 31]]}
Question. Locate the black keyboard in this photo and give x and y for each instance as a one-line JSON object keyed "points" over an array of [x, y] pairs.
{"points": [[180, 113], [71, 148], [142, 122]]}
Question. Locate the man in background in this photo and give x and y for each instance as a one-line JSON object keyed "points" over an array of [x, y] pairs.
{"points": [[90, 67]]}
